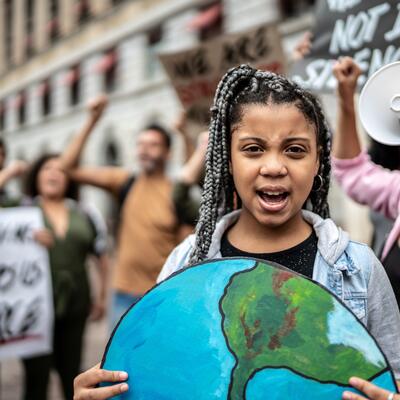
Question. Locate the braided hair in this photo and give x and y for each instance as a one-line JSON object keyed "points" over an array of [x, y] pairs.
{"points": [[241, 86]]}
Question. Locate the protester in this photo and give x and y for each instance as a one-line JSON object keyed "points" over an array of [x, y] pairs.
{"points": [[148, 228], [388, 157], [364, 181], [71, 234], [269, 145]]}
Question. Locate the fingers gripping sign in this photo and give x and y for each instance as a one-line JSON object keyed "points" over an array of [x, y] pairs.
{"points": [[371, 391], [85, 384]]}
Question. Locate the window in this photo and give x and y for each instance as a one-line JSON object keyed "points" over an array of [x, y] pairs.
{"points": [[52, 25], [20, 106], [76, 86], [44, 92], [82, 10], [108, 67], [290, 8], [73, 81], [29, 26], [8, 17], [210, 21], [111, 154], [154, 42]]}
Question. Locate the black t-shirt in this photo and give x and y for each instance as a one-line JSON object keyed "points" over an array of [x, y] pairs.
{"points": [[299, 258], [392, 267]]}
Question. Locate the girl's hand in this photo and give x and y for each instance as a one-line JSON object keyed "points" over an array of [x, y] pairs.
{"points": [[85, 384], [44, 237], [373, 392]]}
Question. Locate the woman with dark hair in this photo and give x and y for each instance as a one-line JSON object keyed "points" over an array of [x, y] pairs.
{"points": [[71, 234]]}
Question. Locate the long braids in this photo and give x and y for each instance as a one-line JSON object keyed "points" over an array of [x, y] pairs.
{"points": [[239, 86]]}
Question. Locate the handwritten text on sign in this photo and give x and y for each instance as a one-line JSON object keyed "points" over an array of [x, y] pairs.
{"points": [[195, 73], [26, 303], [367, 30]]}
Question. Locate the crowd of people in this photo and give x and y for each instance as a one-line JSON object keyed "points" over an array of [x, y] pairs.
{"points": [[263, 169]]}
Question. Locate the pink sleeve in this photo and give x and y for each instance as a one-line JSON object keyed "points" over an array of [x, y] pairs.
{"points": [[368, 183]]}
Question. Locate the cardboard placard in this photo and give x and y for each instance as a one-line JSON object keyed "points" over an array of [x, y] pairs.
{"points": [[26, 300], [195, 73], [367, 30]]}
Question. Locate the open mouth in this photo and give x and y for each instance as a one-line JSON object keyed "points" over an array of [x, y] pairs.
{"points": [[273, 201], [273, 197]]}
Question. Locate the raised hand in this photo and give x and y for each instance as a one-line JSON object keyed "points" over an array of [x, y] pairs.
{"points": [[346, 72], [17, 168], [303, 47], [96, 106]]}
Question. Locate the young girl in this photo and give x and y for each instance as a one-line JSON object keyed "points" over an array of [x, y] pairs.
{"points": [[268, 157]]}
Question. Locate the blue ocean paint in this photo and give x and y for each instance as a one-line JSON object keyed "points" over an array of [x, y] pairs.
{"points": [[188, 338], [285, 384]]}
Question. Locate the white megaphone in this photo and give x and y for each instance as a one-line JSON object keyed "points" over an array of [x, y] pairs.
{"points": [[379, 105]]}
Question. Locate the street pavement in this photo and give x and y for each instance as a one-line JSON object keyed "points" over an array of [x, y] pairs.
{"points": [[11, 371]]}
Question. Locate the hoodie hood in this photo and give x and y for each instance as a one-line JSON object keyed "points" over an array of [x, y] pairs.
{"points": [[332, 240], [332, 243]]}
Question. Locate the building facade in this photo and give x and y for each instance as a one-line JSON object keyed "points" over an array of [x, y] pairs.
{"points": [[57, 54]]}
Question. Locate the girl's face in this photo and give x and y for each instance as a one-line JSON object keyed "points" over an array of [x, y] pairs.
{"points": [[274, 159], [52, 181]]}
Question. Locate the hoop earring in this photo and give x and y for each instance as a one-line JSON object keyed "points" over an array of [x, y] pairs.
{"points": [[321, 183]]}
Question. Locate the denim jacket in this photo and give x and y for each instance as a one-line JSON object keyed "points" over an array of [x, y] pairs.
{"points": [[348, 269]]}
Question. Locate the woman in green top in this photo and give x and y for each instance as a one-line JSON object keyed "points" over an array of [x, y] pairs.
{"points": [[71, 234]]}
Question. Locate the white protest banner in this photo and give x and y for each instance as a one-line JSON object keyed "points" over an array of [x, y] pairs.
{"points": [[195, 73], [26, 300], [367, 30]]}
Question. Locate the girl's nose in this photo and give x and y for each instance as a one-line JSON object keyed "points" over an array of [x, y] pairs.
{"points": [[273, 166]]}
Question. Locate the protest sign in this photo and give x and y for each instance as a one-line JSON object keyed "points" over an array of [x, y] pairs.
{"points": [[26, 301], [195, 73], [367, 30]]}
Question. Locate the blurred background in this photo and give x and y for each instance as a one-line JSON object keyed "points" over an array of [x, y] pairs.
{"points": [[55, 55]]}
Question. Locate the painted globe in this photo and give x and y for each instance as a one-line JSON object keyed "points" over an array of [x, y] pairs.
{"points": [[240, 328]]}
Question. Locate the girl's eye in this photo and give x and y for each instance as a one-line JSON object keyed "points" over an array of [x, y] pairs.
{"points": [[252, 149], [296, 150]]}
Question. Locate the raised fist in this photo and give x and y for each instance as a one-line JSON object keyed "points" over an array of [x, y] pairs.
{"points": [[97, 105]]}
